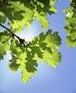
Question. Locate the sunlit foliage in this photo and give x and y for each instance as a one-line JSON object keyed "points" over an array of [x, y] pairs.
{"points": [[26, 55], [45, 47], [23, 12], [71, 24], [25, 58]]}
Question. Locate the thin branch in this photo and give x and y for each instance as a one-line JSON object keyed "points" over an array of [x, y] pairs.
{"points": [[22, 41]]}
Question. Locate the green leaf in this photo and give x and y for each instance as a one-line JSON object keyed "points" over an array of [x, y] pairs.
{"points": [[2, 17], [46, 48], [26, 66], [71, 24], [52, 59], [4, 44], [13, 65]]}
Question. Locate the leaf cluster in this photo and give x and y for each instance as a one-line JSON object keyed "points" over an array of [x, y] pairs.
{"points": [[23, 12], [25, 58], [71, 24]]}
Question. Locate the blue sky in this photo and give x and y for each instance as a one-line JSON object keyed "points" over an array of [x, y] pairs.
{"points": [[47, 80]]}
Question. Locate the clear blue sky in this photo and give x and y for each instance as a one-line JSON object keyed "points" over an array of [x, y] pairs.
{"points": [[47, 80]]}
